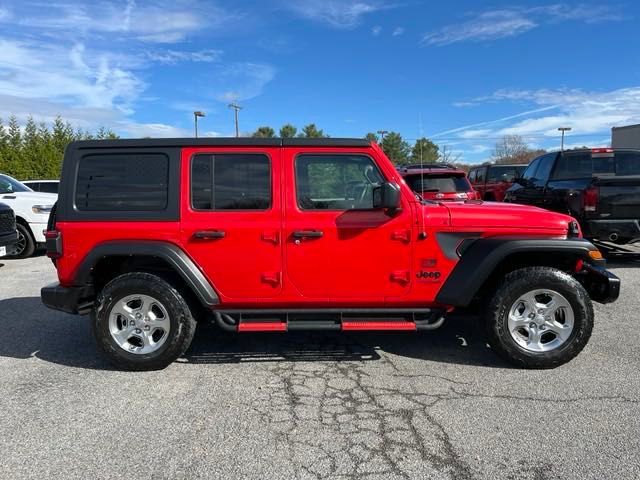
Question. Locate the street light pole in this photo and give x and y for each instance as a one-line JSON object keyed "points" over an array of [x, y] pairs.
{"points": [[382, 133], [197, 114], [236, 108], [563, 129]]}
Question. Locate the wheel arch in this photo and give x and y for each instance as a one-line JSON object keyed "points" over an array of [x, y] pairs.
{"points": [[484, 262], [109, 259]]}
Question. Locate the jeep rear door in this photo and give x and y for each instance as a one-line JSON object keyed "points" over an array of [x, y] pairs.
{"points": [[338, 248], [231, 217]]}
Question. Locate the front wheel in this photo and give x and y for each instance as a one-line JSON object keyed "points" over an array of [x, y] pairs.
{"points": [[540, 317], [141, 322]]}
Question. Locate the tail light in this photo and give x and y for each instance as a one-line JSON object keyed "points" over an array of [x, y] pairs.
{"points": [[590, 199], [54, 243]]}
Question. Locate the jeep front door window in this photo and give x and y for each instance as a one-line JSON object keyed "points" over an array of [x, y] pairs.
{"points": [[336, 182]]}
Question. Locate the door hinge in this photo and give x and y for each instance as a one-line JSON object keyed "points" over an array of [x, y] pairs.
{"points": [[400, 276], [272, 278], [402, 235], [273, 237]]}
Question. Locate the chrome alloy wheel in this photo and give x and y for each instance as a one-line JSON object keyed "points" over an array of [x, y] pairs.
{"points": [[139, 324], [541, 320], [20, 245]]}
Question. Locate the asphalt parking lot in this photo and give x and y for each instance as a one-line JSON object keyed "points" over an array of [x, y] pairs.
{"points": [[321, 405]]}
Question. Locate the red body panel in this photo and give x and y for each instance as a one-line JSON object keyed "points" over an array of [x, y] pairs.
{"points": [[364, 258]]}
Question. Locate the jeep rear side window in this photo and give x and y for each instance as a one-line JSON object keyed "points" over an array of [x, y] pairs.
{"points": [[123, 182], [336, 182], [231, 182]]}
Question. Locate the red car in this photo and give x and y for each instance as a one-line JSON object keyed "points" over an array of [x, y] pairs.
{"points": [[438, 181], [492, 181], [272, 235]]}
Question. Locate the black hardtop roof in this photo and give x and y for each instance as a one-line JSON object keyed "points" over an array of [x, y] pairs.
{"points": [[221, 142]]}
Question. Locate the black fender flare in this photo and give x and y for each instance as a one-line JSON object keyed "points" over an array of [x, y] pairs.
{"points": [[177, 259], [480, 257]]}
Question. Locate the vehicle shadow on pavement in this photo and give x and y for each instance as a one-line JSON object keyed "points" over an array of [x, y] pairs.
{"points": [[458, 341], [35, 331]]}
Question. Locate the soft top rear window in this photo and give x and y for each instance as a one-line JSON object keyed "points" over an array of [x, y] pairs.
{"points": [[444, 183], [135, 182]]}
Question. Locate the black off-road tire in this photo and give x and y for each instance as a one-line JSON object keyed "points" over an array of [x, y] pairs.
{"points": [[183, 324], [518, 283], [28, 244]]}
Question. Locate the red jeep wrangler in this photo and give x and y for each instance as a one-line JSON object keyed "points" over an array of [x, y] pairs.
{"points": [[287, 234]]}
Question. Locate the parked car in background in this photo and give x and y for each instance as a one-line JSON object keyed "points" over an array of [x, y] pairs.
{"points": [[599, 187], [8, 233], [32, 213], [492, 181], [46, 186], [438, 181]]}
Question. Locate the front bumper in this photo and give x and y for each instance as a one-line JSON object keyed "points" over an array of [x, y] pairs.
{"points": [[38, 231], [75, 300], [7, 239], [602, 285]]}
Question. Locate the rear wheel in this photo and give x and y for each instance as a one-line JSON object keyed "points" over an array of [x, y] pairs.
{"points": [[25, 246], [141, 322], [540, 317]]}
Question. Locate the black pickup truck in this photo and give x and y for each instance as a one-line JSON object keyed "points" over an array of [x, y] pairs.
{"points": [[600, 187]]}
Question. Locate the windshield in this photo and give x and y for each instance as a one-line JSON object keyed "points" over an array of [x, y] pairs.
{"points": [[10, 185], [438, 183]]}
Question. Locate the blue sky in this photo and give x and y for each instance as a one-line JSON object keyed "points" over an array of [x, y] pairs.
{"points": [[463, 73]]}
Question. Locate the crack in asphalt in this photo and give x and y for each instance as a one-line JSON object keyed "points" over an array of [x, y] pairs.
{"points": [[336, 425]]}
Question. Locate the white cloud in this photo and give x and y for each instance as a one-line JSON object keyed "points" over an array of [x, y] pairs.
{"points": [[336, 13], [67, 75], [162, 21], [487, 26], [376, 30], [510, 22], [478, 133], [248, 80], [172, 57], [397, 31], [5, 14]]}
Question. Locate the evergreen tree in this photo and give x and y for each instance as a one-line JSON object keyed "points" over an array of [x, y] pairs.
{"points": [[424, 151], [288, 131], [396, 148]]}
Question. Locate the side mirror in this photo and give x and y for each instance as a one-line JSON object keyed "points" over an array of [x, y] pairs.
{"points": [[386, 196], [521, 181]]}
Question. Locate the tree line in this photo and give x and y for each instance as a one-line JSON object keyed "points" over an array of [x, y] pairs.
{"points": [[35, 151]]}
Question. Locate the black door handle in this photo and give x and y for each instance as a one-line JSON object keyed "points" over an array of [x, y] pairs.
{"points": [[209, 234], [307, 234]]}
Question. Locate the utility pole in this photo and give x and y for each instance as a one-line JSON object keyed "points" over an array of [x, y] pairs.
{"points": [[195, 117], [236, 108], [563, 129], [382, 133]]}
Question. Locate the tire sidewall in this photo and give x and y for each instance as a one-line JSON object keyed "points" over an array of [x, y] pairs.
{"points": [[180, 319], [549, 279], [30, 245]]}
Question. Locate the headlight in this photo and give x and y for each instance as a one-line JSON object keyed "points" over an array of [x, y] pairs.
{"points": [[44, 209]]}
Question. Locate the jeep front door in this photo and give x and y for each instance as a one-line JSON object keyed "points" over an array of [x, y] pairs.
{"points": [[339, 248]]}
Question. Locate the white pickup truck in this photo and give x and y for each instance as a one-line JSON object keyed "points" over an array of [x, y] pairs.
{"points": [[32, 213]]}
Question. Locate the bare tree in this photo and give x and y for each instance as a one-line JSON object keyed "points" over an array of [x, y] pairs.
{"points": [[446, 155], [510, 149]]}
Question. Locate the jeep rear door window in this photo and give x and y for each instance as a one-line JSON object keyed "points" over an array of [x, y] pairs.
{"points": [[231, 182], [336, 182], [499, 173], [122, 182]]}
